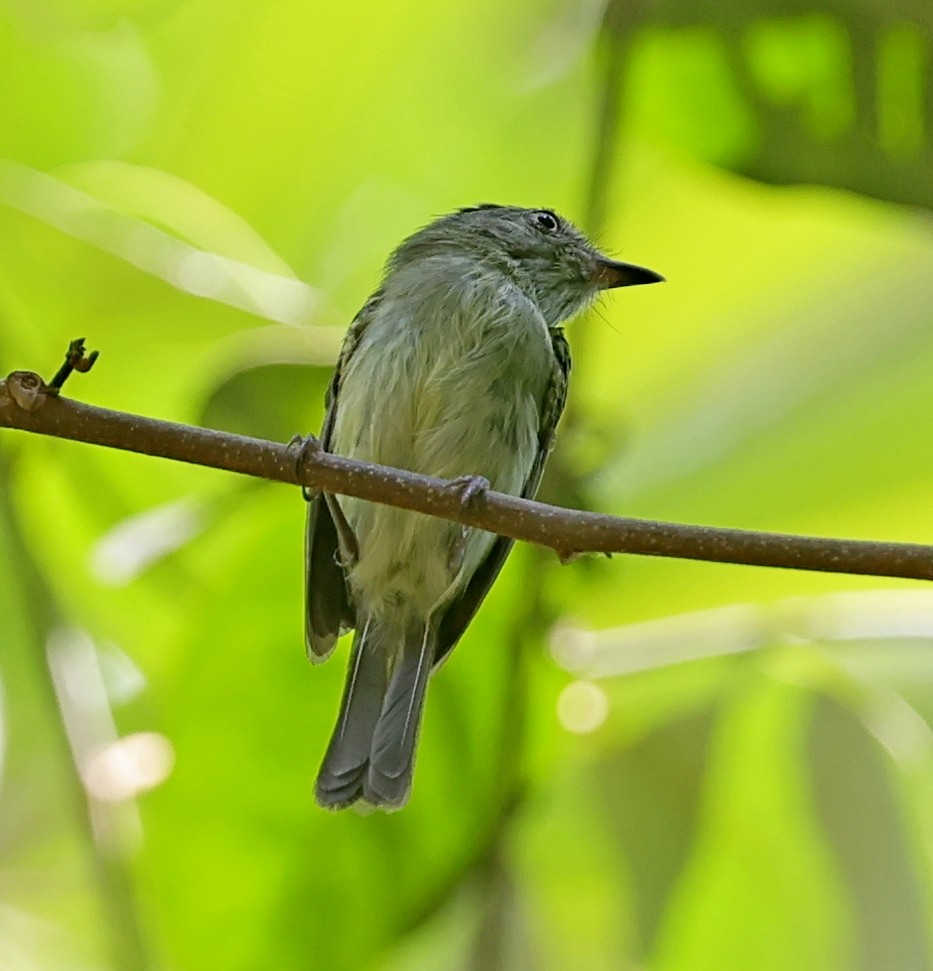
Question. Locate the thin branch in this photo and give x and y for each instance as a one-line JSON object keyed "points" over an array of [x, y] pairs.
{"points": [[27, 404]]}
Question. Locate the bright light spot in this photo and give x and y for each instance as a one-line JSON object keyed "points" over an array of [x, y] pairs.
{"points": [[78, 683], [653, 644], [139, 541], [270, 295], [122, 677], [572, 647], [129, 766], [866, 615], [200, 273], [275, 297], [150, 250], [582, 707]]}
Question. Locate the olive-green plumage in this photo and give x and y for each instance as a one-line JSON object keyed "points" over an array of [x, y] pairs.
{"points": [[456, 366]]}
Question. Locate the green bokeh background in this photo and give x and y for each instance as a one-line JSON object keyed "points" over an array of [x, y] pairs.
{"points": [[206, 190]]}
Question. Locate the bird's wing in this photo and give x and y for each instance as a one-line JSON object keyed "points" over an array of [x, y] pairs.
{"points": [[328, 608], [461, 611]]}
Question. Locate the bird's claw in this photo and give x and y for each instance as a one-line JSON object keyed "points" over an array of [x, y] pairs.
{"points": [[348, 547], [470, 488], [307, 446]]}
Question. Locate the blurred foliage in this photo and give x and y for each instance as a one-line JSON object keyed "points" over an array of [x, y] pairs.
{"points": [[833, 92], [628, 763]]}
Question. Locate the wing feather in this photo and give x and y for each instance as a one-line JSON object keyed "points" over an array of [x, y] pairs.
{"points": [[328, 606], [462, 610]]}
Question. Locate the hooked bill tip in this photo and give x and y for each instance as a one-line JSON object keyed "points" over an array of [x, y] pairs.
{"points": [[611, 273]]}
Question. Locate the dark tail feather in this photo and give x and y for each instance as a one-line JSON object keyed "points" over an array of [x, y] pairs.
{"points": [[392, 759], [341, 778]]}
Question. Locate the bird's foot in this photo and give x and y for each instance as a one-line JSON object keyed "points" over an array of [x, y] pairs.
{"points": [[470, 488], [306, 445]]}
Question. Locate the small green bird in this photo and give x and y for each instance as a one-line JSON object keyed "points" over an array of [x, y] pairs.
{"points": [[455, 367]]}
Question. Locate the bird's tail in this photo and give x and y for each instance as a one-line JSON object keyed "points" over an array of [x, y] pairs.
{"points": [[372, 751]]}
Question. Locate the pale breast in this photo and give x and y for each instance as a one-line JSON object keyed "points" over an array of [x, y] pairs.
{"points": [[447, 380]]}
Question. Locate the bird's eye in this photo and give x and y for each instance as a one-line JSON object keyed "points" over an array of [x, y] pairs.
{"points": [[546, 220]]}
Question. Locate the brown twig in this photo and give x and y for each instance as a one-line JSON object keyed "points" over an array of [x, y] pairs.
{"points": [[26, 403], [74, 361]]}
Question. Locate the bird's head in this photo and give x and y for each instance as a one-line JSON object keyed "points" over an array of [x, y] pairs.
{"points": [[542, 253]]}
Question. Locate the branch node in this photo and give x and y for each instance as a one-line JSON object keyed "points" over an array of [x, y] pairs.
{"points": [[74, 361], [27, 390]]}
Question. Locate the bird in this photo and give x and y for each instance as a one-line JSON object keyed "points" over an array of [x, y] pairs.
{"points": [[457, 367]]}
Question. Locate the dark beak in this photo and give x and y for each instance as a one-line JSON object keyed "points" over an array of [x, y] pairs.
{"points": [[610, 274]]}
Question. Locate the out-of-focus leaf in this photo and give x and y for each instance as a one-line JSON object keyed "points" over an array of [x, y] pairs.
{"points": [[653, 793], [874, 848], [66, 95], [50, 913], [274, 401], [836, 94], [758, 890]]}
